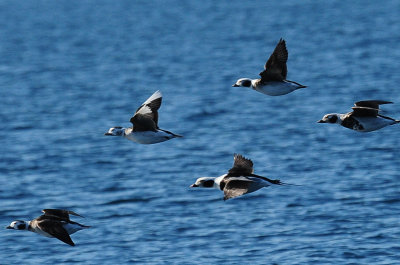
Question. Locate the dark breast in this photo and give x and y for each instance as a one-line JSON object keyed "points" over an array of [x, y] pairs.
{"points": [[222, 184], [351, 123]]}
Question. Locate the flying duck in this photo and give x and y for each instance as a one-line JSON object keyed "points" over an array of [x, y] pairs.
{"points": [[273, 80], [239, 180], [53, 223], [145, 128], [365, 117]]}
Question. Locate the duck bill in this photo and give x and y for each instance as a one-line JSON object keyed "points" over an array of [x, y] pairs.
{"points": [[321, 121], [107, 133], [193, 186], [235, 85], [9, 227]]}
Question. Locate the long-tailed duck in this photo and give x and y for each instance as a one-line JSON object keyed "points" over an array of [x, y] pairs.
{"points": [[273, 80], [53, 223], [365, 117], [145, 128], [239, 180]]}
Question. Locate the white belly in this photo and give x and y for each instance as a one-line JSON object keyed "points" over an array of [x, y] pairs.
{"points": [[371, 123], [149, 137], [277, 88]]}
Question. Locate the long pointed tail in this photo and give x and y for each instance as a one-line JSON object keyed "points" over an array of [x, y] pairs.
{"points": [[278, 182], [298, 84], [273, 181], [173, 134], [290, 184], [284, 183]]}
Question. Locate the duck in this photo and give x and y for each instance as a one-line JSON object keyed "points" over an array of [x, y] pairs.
{"points": [[273, 80], [53, 223], [145, 128], [365, 117], [239, 180]]}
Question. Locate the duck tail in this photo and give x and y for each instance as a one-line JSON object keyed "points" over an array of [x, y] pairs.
{"points": [[274, 181], [290, 184], [278, 182], [298, 84], [173, 134]]}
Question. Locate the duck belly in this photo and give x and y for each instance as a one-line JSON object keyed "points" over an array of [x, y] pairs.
{"points": [[370, 124], [148, 137], [276, 88]]}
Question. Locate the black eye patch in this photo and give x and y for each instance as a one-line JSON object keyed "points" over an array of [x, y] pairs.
{"points": [[208, 183], [246, 83], [21, 226], [333, 119]]}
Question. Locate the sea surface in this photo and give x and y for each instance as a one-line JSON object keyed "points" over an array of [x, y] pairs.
{"points": [[70, 70]]}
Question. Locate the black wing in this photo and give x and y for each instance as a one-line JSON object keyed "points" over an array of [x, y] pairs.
{"points": [[55, 229], [241, 166], [143, 123], [146, 116], [235, 187], [364, 112], [374, 104], [275, 68], [63, 214], [368, 108]]}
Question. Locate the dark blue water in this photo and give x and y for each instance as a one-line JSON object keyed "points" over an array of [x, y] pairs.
{"points": [[69, 70]]}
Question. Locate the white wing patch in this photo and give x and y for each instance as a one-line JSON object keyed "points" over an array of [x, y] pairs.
{"points": [[156, 95], [144, 110]]}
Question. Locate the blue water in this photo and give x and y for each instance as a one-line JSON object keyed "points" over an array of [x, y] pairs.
{"points": [[69, 70]]}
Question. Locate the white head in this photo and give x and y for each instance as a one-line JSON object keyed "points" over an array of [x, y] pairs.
{"points": [[244, 82], [18, 225], [331, 118], [115, 131], [204, 182]]}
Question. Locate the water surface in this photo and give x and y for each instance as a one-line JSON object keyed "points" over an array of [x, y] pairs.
{"points": [[69, 70]]}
